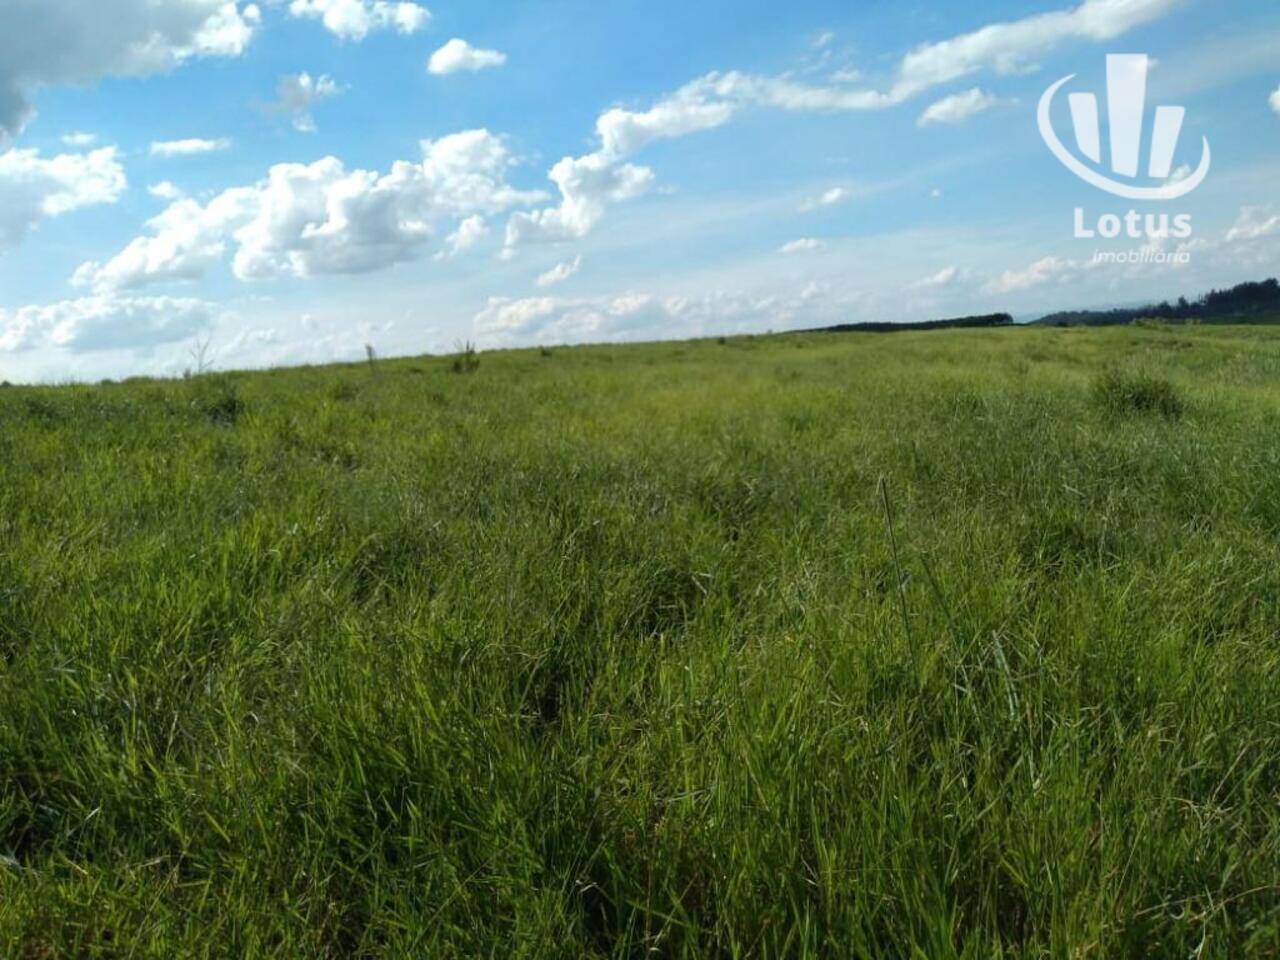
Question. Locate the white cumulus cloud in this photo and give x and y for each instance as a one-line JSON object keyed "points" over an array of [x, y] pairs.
{"points": [[356, 19], [165, 190], [1275, 100], [45, 43], [33, 187], [103, 323], [587, 185], [321, 218], [457, 55]]}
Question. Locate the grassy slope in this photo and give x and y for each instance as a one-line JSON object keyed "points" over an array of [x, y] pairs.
{"points": [[609, 652]]}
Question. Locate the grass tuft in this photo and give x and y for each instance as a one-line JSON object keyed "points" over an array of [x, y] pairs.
{"points": [[1120, 393], [218, 399]]}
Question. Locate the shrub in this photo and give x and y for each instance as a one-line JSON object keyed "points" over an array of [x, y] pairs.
{"points": [[219, 400], [467, 360], [1120, 393], [343, 391], [44, 411]]}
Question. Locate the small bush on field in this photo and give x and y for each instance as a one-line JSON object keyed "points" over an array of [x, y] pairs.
{"points": [[467, 360], [343, 391], [1123, 393], [44, 411], [219, 400]]}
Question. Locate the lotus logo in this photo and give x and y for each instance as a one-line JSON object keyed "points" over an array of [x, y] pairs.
{"points": [[1126, 107]]}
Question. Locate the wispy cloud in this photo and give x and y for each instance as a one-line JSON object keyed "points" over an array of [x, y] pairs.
{"points": [[298, 93], [560, 272], [830, 198], [957, 108], [803, 245], [943, 278], [589, 183], [188, 148]]}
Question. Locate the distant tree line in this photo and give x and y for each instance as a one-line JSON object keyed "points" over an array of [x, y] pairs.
{"points": [[988, 320], [1245, 300]]}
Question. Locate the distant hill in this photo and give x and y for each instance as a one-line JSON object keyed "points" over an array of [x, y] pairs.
{"points": [[1244, 302], [989, 320]]}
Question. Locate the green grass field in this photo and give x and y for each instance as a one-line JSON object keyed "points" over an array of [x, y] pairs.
{"points": [[958, 644]]}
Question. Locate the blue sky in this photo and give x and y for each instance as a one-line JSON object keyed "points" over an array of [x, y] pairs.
{"points": [[289, 180]]}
